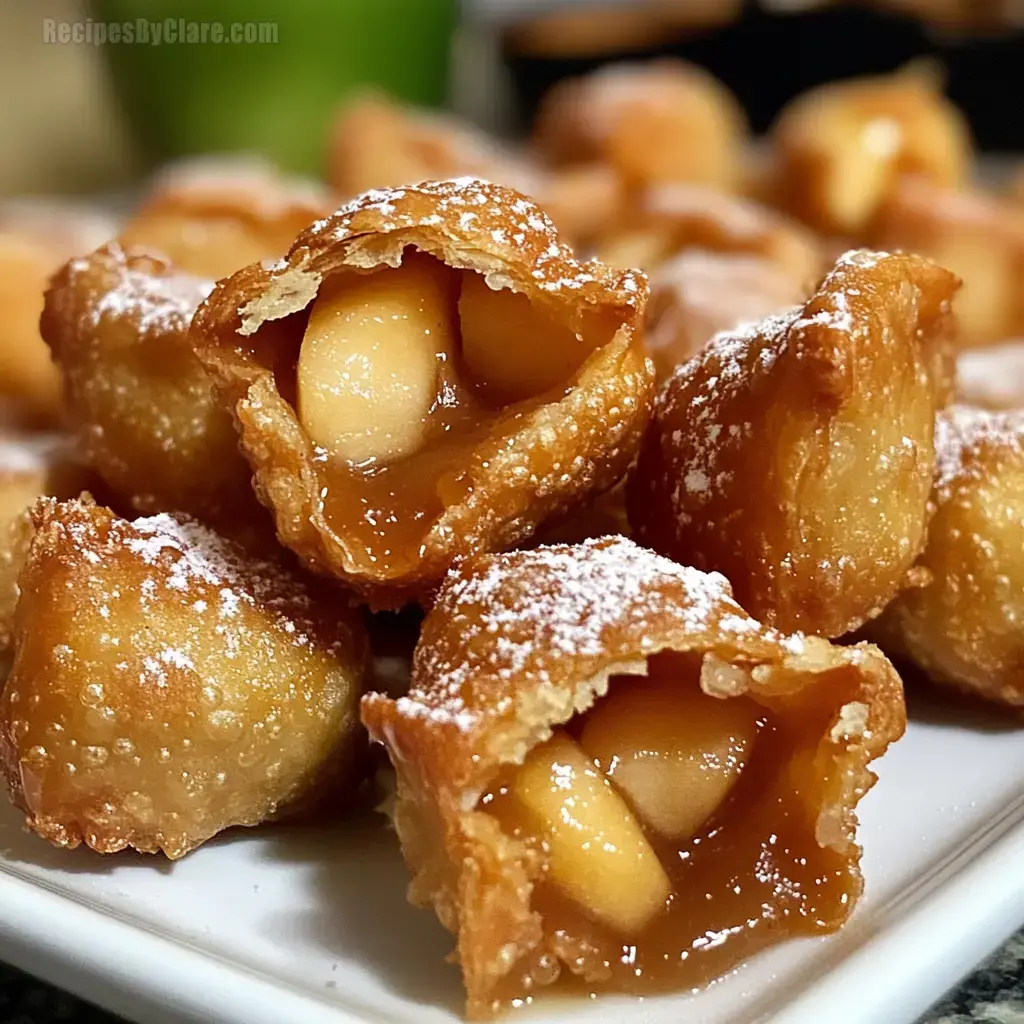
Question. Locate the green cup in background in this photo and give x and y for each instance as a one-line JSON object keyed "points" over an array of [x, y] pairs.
{"points": [[271, 97]]}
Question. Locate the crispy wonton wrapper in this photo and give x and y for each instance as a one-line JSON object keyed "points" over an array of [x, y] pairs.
{"points": [[487, 487], [518, 646]]}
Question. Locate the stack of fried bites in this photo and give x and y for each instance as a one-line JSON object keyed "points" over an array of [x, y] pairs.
{"points": [[652, 540]]}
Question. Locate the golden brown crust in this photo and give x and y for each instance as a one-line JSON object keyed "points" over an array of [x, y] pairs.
{"points": [[838, 149], [657, 122], [130, 718], [796, 456], [517, 644], [212, 216], [963, 626], [242, 334], [666, 219], [117, 324]]}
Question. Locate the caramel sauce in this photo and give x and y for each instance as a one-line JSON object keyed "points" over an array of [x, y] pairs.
{"points": [[752, 876], [383, 511]]}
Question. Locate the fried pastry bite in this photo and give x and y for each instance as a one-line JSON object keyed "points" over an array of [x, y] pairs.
{"points": [[30, 468], [699, 293], [663, 121], [979, 237], [377, 142], [117, 323], [167, 686], [212, 216], [795, 455], [839, 149], [965, 625], [603, 760], [669, 219], [35, 239], [992, 377], [429, 373]]}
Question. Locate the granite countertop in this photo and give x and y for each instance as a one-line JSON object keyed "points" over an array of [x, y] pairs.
{"points": [[993, 994]]}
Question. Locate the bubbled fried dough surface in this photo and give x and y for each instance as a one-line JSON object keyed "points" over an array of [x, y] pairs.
{"points": [[963, 626], [525, 464], [796, 456], [519, 644], [166, 686], [117, 323]]}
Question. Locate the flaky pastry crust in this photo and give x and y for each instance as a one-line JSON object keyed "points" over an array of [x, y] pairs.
{"points": [[795, 456], [167, 686], [538, 459], [518, 644]]}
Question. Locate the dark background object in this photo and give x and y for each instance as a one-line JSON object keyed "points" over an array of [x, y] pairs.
{"points": [[768, 58]]}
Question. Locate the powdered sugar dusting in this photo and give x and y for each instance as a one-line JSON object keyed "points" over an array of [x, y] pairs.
{"points": [[479, 215], [191, 566], [710, 380], [141, 290], [524, 612]]}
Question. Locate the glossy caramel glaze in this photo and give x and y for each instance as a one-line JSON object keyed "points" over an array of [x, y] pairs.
{"points": [[754, 875], [504, 451], [520, 646]]}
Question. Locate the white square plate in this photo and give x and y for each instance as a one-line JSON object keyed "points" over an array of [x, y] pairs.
{"points": [[312, 927]]}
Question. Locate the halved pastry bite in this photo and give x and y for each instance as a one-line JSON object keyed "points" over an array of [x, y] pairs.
{"points": [[661, 121], [668, 219], [964, 625], [429, 373], [700, 293], [117, 324], [839, 149], [212, 216], [795, 455], [167, 686], [611, 777]]}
